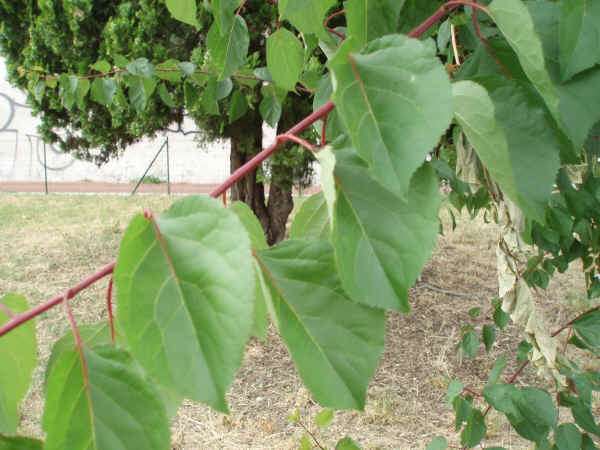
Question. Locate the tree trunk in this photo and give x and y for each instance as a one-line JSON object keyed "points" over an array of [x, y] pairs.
{"points": [[246, 142]]}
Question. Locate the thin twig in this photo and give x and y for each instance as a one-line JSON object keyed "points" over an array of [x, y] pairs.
{"points": [[237, 13], [571, 322], [78, 341], [33, 312], [314, 438], [487, 45]]}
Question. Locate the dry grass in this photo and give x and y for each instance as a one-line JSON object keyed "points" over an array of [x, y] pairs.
{"points": [[49, 243]]}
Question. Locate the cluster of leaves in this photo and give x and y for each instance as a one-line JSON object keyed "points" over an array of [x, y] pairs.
{"points": [[195, 282]]}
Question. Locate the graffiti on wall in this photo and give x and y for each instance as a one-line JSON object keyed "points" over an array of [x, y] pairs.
{"points": [[22, 151]]}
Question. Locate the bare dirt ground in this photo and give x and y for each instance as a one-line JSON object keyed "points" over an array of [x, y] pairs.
{"points": [[48, 243]]}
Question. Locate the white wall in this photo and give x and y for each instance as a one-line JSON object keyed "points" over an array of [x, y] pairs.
{"points": [[21, 152]]}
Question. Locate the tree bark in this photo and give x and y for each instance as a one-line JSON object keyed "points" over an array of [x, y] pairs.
{"points": [[246, 142]]}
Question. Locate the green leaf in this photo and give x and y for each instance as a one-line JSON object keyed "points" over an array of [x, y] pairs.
{"points": [[224, 88], [455, 388], [501, 319], [141, 67], [415, 12], [514, 20], [469, 344], [371, 228], [107, 405], [335, 126], [101, 66], [262, 298], [306, 443], [488, 335], [18, 358], [324, 418], [474, 312], [20, 443], [523, 351], [497, 370], [91, 335], [505, 398], [83, 88], [347, 444], [166, 96], [588, 328], [312, 219], [137, 94], [223, 12], [238, 106], [307, 15], [191, 94], [334, 342], [582, 413], [538, 414], [370, 19], [251, 224], [567, 437], [262, 293], [395, 99], [579, 36], [294, 418], [439, 443], [270, 110], [588, 443], [186, 296], [104, 90], [443, 35], [208, 98], [462, 408], [230, 50], [475, 429], [184, 11], [171, 70], [285, 58], [68, 90], [187, 68], [500, 125]]}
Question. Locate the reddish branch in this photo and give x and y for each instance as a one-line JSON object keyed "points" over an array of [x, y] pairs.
{"points": [[444, 9], [290, 135], [571, 322], [33, 312], [260, 157], [75, 330], [487, 45]]}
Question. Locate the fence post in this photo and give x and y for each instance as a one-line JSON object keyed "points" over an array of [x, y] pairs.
{"points": [[168, 169], [149, 166], [45, 171]]}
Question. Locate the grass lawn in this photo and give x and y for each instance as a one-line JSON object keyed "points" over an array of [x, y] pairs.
{"points": [[49, 243]]}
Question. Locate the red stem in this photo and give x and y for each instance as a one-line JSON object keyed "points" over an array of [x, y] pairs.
{"points": [[33, 312], [341, 11], [260, 157], [571, 322], [487, 45], [66, 298], [110, 312], [240, 8], [7, 311], [342, 36], [321, 113], [445, 8]]}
